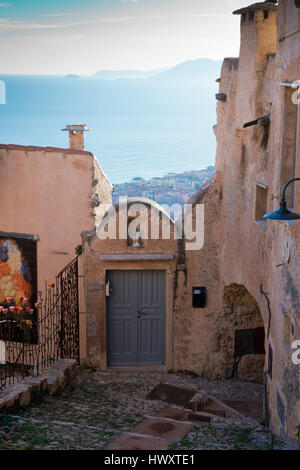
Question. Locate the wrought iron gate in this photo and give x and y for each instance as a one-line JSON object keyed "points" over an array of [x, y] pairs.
{"points": [[69, 311], [55, 328]]}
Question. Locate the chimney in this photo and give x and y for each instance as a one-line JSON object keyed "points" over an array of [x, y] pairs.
{"points": [[76, 135]]}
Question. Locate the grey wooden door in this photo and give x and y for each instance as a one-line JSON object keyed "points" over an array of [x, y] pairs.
{"points": [[136, 314]]}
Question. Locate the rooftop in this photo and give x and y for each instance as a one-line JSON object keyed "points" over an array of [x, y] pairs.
{"points": [[266, 6], [32, 148]]}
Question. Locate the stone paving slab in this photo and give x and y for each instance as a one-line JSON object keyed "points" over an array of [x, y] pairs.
{"points": [[125, 442], [163, 429], [174, 413]]}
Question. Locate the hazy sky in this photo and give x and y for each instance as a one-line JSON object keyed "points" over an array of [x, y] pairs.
{"points": [[83, 36]]}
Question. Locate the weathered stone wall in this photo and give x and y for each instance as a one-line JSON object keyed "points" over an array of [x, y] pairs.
{"points": [[253, 252], [101, 192], [195, 332], [240, 312]]}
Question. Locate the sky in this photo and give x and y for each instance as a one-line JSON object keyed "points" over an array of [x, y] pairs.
{"points": [[61, 37]]}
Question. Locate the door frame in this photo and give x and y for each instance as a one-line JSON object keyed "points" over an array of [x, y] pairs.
{"points": [[162, 316], [166, 266]]}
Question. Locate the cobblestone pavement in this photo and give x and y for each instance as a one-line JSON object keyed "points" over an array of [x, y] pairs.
{"points": [[104, 404]]}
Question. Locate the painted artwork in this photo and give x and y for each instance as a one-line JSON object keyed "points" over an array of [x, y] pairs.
{"points": [[17, 269]]}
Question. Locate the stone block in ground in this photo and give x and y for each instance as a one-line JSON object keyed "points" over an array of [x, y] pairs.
{"points": [[173, 413], [162, 429], [125, 442], [253, 408], [183, 415], [171, 394], [198, 418], [209, 404]]}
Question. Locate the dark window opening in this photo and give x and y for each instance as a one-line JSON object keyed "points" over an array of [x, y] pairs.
{"points": [[251, 15], [249, 342], [266, 14], [261, 203]]}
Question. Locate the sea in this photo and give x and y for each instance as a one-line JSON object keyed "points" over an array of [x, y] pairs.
{"points": [[139, 128]]}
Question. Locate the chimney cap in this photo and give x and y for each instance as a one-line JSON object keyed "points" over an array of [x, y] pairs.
{"points": [[76, 127], [268, 5]]}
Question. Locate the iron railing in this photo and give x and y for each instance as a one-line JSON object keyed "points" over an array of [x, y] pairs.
{"points": [[31, 342]]}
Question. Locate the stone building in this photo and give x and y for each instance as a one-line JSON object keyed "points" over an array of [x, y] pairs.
{"points": [[231, 308], [253, 269], [48, 196]]}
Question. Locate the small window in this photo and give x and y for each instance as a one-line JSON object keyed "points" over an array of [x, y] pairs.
{"points": [[251, 15], [288, 157], [266, 14], [261, 203]]}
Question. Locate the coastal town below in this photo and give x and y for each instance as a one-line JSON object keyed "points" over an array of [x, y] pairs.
{"points": [[173, 188]]}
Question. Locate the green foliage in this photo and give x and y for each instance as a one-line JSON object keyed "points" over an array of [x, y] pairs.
{"points": [[78, 250], [191, 373]]}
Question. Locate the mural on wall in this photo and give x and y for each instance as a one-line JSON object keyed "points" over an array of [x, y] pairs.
{"points": [[18, 278], [15, 275], [17, 268]]}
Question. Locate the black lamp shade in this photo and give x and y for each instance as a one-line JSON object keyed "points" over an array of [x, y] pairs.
{"points": [[282, 213]]}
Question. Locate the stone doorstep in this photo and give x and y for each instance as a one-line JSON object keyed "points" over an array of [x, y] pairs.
{"points": [[53, 380]]}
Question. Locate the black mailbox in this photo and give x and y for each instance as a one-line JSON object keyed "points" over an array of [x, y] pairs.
{"points": [[199, 297]]}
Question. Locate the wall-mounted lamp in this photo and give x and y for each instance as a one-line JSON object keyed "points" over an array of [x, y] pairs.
{"points": [[282, 212]]}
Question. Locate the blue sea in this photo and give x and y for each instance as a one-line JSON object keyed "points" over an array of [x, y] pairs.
{"points": [[139, 127]]}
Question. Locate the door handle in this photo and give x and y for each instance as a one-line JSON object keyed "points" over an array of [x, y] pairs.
{"points": [[140, 313]]}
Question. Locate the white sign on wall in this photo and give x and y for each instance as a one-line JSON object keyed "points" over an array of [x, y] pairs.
{"points": [[2, 352]]}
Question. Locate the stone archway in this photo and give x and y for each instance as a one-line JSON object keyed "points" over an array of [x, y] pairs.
{"points": [[243, 334]]}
